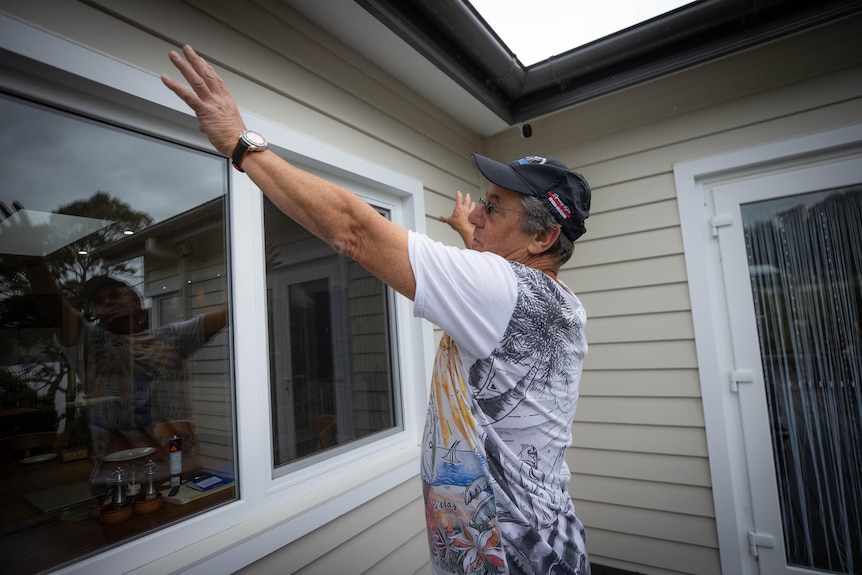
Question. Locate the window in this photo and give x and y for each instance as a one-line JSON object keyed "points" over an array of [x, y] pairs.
{"points": [[330, 335], [113, 275], [178, 265]]}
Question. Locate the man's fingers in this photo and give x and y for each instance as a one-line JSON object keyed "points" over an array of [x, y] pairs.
{"points": [[198, 73], [207, 77], [198, 80], [217, 113], [464, 201], [190, 73], [6, 213], [177, 88]]}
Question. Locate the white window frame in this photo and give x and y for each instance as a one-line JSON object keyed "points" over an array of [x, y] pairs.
{"points": [[270, 512]]}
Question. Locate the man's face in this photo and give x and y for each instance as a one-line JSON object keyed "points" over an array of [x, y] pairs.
{"points": [[498, 225], [118, 308]]}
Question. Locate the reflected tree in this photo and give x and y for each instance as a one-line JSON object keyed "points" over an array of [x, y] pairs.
{"points": [[33, 369]]}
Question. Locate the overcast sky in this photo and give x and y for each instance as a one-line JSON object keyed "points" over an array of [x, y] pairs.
{"points": [[538, 29], [66, 158]]}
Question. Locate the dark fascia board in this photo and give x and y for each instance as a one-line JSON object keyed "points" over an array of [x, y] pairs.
{"points": [[452, 35], [435, 39]]}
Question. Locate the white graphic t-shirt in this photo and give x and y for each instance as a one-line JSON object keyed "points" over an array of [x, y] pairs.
{"points": [[503, 397]]}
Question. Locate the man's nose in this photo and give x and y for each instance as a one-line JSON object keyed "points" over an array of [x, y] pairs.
{"points": [[475, 216]]}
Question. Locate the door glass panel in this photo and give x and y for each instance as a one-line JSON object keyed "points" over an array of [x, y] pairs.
{"points": [[114, 344], [805, 262]]}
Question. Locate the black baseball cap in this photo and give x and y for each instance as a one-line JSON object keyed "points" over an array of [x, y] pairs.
{"points": [[564, 192], [94, 284]]}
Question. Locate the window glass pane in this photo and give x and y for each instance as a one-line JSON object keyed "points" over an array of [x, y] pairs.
{"points": [[330, 335], [113, 346]]}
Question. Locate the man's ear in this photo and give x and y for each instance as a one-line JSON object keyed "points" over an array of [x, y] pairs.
{"points": [[542, 241]]}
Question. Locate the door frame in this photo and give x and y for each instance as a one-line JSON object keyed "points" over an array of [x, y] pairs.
{"points": [[696, 182]]}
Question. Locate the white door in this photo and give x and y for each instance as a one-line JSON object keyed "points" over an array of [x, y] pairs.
{"points": [[790, 249], [310, 355]]}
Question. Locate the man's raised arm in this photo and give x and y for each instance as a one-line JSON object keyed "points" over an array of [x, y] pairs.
{"points": [[335, 215]]}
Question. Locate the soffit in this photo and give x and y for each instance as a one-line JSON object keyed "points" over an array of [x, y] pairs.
{"points": [[447, 53]]}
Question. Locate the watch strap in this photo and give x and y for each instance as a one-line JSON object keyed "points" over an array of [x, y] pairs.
{"points": [[239, 153], [248, 141]]}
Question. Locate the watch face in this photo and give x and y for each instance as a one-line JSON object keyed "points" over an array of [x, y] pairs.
{"points": [[254, 139]]}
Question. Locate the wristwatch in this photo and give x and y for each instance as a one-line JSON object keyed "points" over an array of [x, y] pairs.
{"points": [[248, 142]]}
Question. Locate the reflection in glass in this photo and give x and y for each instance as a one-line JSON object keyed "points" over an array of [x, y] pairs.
{"points": [[805, 258], [311, 360], [113, 347], [331, 380]]}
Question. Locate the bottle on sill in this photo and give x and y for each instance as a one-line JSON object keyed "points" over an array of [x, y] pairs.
{"points": [[175, 444]]}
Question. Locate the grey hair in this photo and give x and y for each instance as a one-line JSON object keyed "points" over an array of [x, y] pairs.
{"points": [[537, 218]]}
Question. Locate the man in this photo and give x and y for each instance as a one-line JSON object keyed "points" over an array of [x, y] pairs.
{"points": [[506, 375], [132, 378]]}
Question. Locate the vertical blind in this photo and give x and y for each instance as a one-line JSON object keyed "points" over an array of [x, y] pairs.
{"points": [[805, 262]]}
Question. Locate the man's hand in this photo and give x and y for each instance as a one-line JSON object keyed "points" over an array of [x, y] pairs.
{"points": [[458, 220], [209, 98], [6, 212]]}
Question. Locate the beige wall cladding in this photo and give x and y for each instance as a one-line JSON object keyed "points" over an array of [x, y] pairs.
{"points": [[353, 545]]}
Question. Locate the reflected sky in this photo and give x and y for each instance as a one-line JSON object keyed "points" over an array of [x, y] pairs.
{"points": [[49, 158]]}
